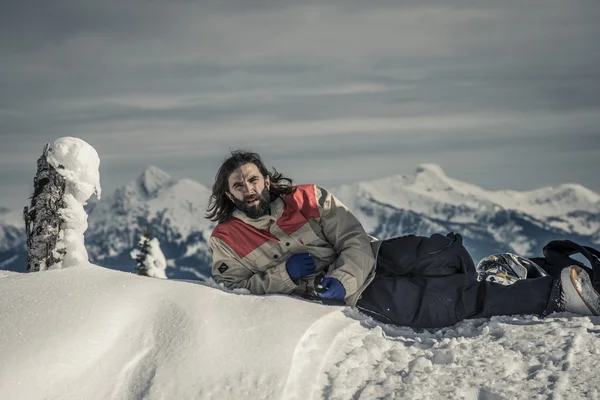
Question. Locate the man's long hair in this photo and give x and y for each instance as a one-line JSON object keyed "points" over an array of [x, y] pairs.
{"points": [[220, 207]]}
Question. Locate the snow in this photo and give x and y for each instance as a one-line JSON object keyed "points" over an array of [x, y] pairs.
{"points": [[11, 236], [155, 261], [78, 162], [178, 204], [9, 260], [12, 228], [152, 180], [11, 217], [582, 222], [199, 247], [430, 192], [93, 333], [185, 205], [194, 272], [549, 201]]}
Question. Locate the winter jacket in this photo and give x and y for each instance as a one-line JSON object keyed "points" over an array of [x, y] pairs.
{"points": [[252, 253]]}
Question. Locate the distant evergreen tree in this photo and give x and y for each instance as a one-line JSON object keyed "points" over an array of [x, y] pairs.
{"points": [[142, 257], [42, 217]]}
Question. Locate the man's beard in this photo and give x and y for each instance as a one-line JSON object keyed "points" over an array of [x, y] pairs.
{"points": [[254, 211]]}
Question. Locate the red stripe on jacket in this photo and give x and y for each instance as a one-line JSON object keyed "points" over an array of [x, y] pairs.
{"points": [[243, 239], [300, 206]]}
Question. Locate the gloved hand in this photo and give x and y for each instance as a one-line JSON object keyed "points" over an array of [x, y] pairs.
{"points": [[300, 265], [333, 289]]}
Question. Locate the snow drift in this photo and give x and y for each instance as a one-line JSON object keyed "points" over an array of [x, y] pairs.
{"points": [[87, 332]]}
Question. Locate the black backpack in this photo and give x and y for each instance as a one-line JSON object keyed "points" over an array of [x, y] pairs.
{"points": [[557, 255]]}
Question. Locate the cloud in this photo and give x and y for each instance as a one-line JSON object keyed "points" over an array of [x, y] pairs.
{"points": [[183, 80]]}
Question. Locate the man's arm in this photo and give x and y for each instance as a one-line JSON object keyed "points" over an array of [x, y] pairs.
{"points": [[352, 244], [228, 269]]}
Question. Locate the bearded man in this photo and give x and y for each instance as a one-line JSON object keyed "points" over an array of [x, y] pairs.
{"points": [[274, 237]]}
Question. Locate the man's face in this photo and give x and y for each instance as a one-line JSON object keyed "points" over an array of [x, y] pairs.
{"points": [[249, 190]]}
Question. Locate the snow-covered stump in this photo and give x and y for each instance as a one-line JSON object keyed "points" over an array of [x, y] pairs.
{"points": [[66, 178]]}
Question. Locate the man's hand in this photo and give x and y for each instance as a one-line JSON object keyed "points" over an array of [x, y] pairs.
{"points": [[300, 265], [333, 289]]}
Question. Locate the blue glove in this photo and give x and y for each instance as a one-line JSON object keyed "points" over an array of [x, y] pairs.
{"points": [[333, 289], [300, 265]]}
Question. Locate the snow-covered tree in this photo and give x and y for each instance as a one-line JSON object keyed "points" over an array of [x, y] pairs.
{"points": [[150, 260], [143, 253], [67, 175], [42, 217]]}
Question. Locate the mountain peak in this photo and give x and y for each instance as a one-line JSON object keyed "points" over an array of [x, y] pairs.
{"points": [[430, 168], [576, 189], [152, 180], [432, 176]]}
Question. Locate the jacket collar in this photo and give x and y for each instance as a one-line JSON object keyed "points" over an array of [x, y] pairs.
{"points": [[276, 210]]}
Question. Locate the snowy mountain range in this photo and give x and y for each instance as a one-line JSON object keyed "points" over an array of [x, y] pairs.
{"points": [[423, 203]]}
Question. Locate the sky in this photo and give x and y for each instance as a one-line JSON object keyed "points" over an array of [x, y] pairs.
{"points": [[505, 95]]}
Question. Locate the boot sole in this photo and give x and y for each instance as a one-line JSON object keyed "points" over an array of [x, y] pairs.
{"points": [[574, 293]]}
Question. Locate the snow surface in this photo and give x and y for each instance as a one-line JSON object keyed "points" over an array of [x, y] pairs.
{"points": [[93, 333]]}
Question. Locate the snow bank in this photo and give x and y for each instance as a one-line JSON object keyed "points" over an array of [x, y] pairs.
{"points": [[94, 333]]}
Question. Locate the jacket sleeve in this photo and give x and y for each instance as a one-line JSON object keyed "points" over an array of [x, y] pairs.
{"points": [[350, 241], [228, 269]]}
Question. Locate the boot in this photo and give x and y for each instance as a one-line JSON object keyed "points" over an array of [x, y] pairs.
{"points": [[579, 296]]}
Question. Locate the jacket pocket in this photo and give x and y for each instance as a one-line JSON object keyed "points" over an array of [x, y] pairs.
{"points": [[314, 243], [268, 255]]}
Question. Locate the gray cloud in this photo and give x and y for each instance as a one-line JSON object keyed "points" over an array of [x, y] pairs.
{"points": [[341, 83]]}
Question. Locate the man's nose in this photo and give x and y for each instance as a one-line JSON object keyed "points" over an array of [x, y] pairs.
{"points": [[249, 188]]}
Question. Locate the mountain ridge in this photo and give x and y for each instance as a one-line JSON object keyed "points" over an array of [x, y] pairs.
{"points": [[423, 203]]}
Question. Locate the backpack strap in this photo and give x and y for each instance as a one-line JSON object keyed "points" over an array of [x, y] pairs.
{"points": [[558, 252]]}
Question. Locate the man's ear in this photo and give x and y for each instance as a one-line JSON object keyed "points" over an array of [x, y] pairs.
{"points": [[229, 196], [268, 182]]}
